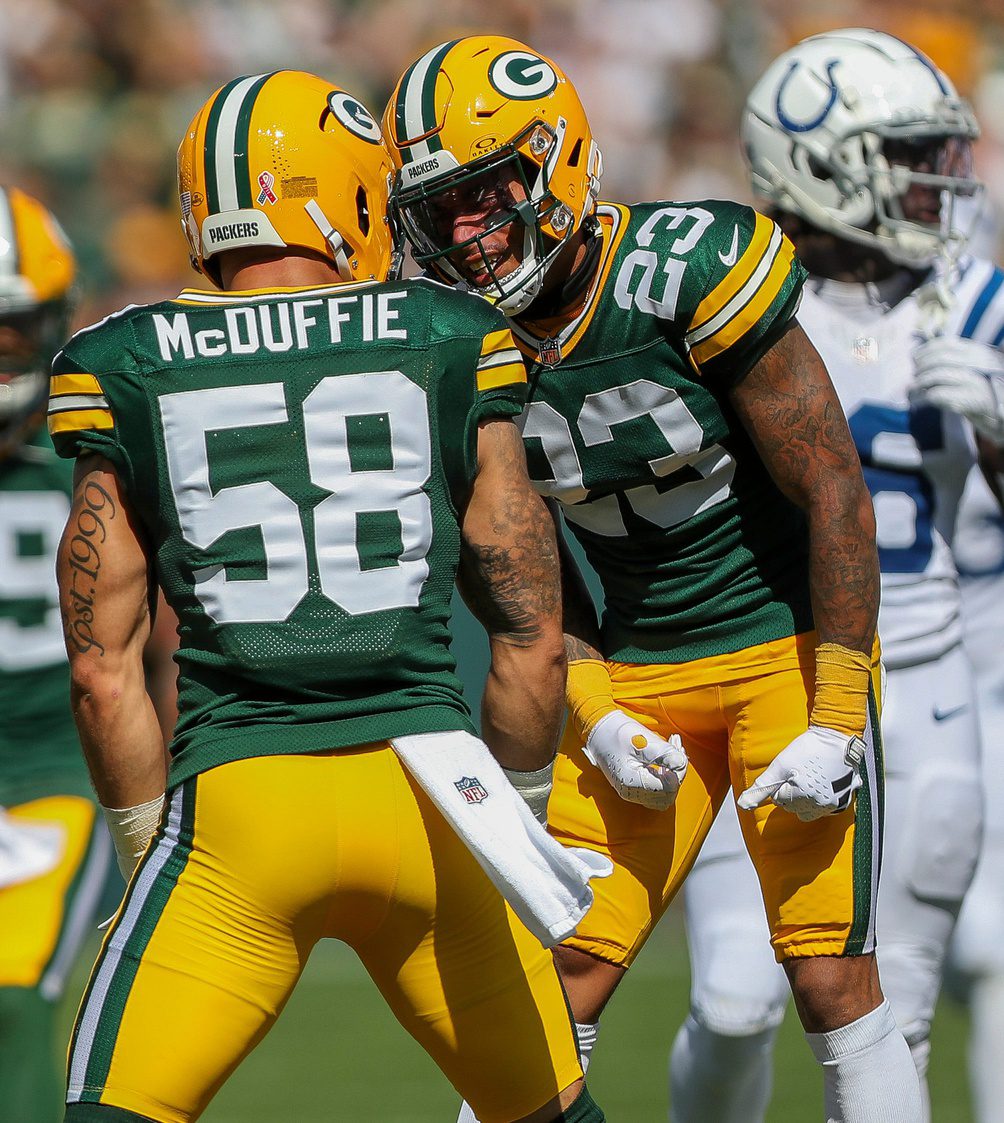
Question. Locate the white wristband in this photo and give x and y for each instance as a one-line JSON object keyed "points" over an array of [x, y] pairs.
{"points": [[534, 787], [131, 829]]}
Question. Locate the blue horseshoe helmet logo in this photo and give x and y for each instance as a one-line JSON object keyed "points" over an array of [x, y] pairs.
{"points": [[789, 123]]}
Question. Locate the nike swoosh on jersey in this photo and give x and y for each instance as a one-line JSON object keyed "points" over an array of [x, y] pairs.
{"points": [[940, 715], [732, 256]]}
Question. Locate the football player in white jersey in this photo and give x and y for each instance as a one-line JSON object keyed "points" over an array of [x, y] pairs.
{"points": [[859, 147], [977, 954]]}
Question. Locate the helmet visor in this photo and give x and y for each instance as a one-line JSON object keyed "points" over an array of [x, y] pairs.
{"points": [[929, 175], [29, 338]]}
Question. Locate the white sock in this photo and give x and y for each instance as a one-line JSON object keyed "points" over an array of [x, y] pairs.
{"points": [[718, 1079], [868, 1073], [586, 1035]]}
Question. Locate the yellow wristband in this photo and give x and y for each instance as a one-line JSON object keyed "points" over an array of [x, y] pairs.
{"points": [[588, 693], [841, 700]]}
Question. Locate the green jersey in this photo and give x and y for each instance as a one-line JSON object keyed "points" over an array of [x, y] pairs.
{"points": [[39, 751], [629, 426], [298, 459]]}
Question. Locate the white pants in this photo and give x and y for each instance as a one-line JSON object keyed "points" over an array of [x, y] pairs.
{"points": [[933, 821], [979, 938], [977, 952]]}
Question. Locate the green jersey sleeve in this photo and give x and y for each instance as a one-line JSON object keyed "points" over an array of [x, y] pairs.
{"points": [[81, 414], [501, 376], [743, 286]]}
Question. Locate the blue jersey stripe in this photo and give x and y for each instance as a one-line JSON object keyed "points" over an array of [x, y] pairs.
{"points": [[976, 312]]}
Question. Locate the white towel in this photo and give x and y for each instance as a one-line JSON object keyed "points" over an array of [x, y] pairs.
{"points": [[28, 849], [545, 883]]}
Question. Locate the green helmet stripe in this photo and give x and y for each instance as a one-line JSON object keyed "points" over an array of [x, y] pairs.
{"points": [[400, 122], [227, 144], [245, 192], [209, 152], [415, 112]]}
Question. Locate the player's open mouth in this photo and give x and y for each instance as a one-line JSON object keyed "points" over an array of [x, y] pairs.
{"points": [[481, 269]]}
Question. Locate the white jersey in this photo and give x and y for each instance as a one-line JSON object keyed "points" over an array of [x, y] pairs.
{"points": [[915, 459]]}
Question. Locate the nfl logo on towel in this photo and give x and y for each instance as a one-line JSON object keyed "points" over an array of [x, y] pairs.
{"points": [[470, 788]]}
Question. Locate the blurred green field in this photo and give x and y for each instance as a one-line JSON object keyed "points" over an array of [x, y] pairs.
{"points": [[338, 1056]]}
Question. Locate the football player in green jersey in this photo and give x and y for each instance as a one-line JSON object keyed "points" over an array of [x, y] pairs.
{"points": [[54, 851], [695, 446], [304, 459]]}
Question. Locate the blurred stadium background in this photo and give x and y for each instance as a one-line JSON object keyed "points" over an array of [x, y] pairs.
{"points": [[94, 95]]}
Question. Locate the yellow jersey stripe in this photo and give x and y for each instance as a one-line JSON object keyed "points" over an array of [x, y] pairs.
{"points": [[737, 276], [240, 296], [74, 384], [751, 315], [496, 341], [72, 420], [616, 236], [508, 375], [742, 297], [613, 219]]}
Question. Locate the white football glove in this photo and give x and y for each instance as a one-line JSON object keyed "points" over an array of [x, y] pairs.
{"points": [[965, 377], [640, 765], [816, 775]]}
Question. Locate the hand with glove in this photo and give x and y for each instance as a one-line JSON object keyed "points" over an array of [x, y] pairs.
{"points": [[816, 775], [965, 377], [640, 765], [819, 771]]}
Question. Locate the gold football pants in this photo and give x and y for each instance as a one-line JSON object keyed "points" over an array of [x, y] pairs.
{"points": [[45, 919], [734, 713], [254, 862]]}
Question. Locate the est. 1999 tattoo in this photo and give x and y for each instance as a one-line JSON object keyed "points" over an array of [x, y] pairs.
{"points": [[94, 505]]}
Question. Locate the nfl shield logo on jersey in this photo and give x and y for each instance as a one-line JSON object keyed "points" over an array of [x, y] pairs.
{"points": [[865, 349], [549, 351], [471, 789]]}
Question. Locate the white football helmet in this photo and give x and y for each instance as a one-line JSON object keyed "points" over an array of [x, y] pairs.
{"points": [[845, 125]]}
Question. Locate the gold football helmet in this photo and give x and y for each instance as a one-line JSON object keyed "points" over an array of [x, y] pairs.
{"points": [[286, 159], [37, 298], [487, 118]]}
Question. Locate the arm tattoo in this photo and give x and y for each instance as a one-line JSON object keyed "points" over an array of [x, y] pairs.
{"points": [[511, 580], [792, 413], [576, 648], [92, 507]]}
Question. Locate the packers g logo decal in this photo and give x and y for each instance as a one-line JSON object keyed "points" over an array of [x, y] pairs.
{"points": [[520, 75], [354, 116]]}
